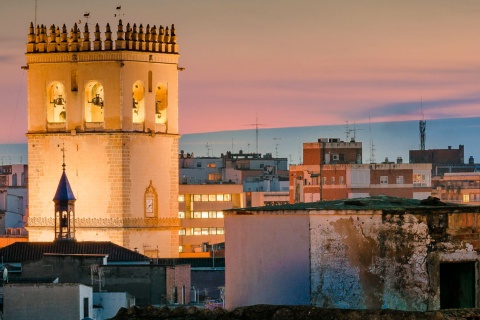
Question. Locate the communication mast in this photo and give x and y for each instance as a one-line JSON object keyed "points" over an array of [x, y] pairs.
{"points": [[422, 126]]}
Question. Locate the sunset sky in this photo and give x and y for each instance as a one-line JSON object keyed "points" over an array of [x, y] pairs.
{"points": [[285, 63]]}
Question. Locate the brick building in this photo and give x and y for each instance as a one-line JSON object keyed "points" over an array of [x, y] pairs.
{"points": [[331, 180]]}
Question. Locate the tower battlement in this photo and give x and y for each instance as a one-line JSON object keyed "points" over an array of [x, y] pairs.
{"points": [[56, 39]]}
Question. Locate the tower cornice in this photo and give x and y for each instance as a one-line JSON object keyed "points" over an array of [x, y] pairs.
{"points": [[115, 56]]}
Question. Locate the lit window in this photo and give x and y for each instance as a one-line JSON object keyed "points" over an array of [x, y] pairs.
{"points": [[197, 231], [466, 198], [211, 165], [181, 198], [383, 179], [197, 215], [181, 232], [212, 214], [220, 231], [213, 230], [214, 177], [197, 197], [180, 248], [204, 197], [399, 179], [219, 197], [332, 180], [181, 214], [219, 214], [204, 214], [227, 197], [212, 197], [204, 231]]}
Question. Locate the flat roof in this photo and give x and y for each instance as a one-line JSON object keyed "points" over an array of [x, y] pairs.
{"points": [[363, 204]]}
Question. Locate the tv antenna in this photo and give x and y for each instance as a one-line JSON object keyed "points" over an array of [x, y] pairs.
{"points": [[276, 146], [348, 131], [256, 124]]}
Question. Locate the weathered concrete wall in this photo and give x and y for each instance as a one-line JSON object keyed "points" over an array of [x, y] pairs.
{"points": [[387, 259], [46, 301], [275, 268], [380, 257]]}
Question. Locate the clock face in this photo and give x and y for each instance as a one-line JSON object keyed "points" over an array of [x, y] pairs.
{"points": [[149, 205]]}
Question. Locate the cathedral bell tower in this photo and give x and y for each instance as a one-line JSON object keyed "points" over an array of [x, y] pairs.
{"points": [[111, 99], [64, 208]]}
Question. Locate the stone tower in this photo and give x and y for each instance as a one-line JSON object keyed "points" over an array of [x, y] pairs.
{"points": [[113, 105]]}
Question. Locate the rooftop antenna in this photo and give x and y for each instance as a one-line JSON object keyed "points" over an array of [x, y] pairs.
{"points": [[256, 124], [422, 126], [208, 149], [276, 146], [372, 146], [348, 130]]}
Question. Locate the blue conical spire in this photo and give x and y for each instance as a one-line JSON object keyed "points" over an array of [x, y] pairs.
{"points": [[64, 191]]}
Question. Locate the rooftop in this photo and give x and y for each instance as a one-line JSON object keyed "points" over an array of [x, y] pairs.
{"points": [[362, 204], [30, 251]]}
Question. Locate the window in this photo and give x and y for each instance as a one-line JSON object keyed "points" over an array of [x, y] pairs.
{"points": [[214, 177], [219, 197], [197, 197], [180, 249], [212, 197], [383, 179], [466, 198], [181, 214], [220, 231], [204, 214], [324, 180], [204, 231], [138, 103], [227, 197], [94, 102], [204, 197], [196, 215], [219, 214], [420, 180], [197, 231], [399, 179], [56, 104], [181, 198], [211, 165], [213, 230], [161, 103], [340, 180], [332, 180], [181, 232], [199, 164]]}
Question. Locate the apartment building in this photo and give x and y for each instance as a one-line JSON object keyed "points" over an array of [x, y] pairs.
{"points": [[462, 187]]}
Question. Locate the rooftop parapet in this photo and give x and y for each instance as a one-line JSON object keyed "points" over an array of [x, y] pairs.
{"points": [[56, 39]]}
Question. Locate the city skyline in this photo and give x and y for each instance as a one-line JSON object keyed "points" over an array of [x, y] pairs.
{"points": [[278, 65]]}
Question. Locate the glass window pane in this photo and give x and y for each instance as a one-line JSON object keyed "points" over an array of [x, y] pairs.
{"points": [[213, 230], [212, 214], [212, 197], [205, 231], [197, 231], [220, 231], [219, 197], [204, 197], [197, 214], [227, 197], [181, 198], [197, 197], [181, 214], [220, 214], [205, 214]]}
